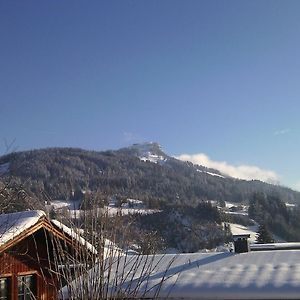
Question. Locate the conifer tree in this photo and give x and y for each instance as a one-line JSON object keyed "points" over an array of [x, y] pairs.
{"points": [[264, 235]]}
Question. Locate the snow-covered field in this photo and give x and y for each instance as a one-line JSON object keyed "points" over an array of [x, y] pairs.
{"points": [[112, 211], [71, 205], [157, 159], [240, 213], [290, 205], [146, 152], [240, 229]]}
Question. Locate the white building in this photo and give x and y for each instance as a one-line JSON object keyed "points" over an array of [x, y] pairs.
{"points": [[251, 275]]}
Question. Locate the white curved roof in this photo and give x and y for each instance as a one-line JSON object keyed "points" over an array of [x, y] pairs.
{"points": [[252, 275]]}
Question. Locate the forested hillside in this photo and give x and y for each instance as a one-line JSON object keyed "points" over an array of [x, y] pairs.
{"points": [[273, 213], [186, 221], [61, 173]]}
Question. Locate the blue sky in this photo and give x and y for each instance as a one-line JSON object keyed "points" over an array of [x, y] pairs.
{"points": [[220, 78]]}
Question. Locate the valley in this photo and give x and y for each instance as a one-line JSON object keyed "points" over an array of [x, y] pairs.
{"points": [[183, 206]]}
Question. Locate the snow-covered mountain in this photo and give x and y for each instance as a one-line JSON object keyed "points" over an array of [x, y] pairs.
{"points": [[151, 152], [141, 171]]}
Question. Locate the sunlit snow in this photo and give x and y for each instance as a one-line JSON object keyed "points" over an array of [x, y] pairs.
{"points": [[210, 173]]}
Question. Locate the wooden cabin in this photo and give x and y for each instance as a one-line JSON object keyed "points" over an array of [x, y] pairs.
{"points": [[32, 251]]}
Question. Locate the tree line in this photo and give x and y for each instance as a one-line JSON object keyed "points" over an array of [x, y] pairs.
{"points": [[272, 212]]}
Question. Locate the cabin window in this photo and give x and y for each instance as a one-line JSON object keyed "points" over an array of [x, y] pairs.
{"points": [[4, 288], [27, 287]]}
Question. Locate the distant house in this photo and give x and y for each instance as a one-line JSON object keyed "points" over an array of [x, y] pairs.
{"points": [[30, 248], [133, 203], [201, 276]]}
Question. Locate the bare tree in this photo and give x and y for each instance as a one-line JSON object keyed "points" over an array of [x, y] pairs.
{"points": [[112, 271]]}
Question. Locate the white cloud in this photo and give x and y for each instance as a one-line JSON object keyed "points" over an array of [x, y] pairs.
{"points": [[241, 171], [282, 131], [296, 186]]}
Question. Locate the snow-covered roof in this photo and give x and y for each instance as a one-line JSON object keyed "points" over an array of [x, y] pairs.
{"points": [[252, 275], [74, 235], [275, 246], [13, 224]]}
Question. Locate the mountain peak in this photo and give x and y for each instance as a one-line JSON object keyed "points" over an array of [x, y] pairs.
{"points": [[149, 151], [152, 147]]}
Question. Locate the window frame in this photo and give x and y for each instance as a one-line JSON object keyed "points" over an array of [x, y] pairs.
{"points": [[8, 277], [29, 291]]}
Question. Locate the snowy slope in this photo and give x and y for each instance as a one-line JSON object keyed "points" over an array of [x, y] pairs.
{"points": [[151, 152], [210, 173], [112, 211], [237, 229], [148, 156]]}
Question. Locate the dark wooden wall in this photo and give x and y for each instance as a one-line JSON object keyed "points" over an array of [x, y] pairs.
{"points": [[31, 256]]}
